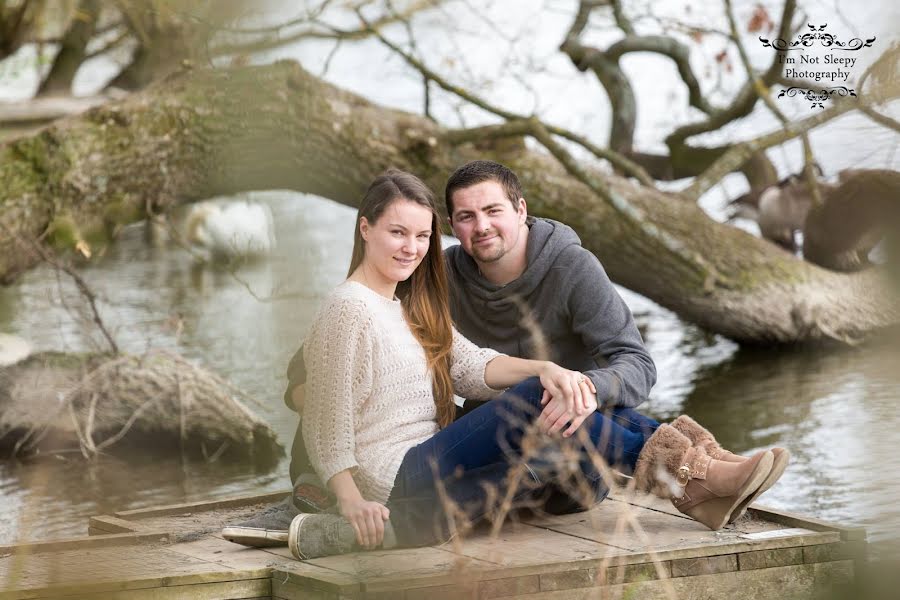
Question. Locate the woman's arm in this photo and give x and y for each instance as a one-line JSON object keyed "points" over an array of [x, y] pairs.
{"points": [[483, 373], [367, 517], [569, 395], [338, 355]]}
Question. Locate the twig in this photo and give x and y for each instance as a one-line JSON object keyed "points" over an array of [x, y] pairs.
{"points": [[82, 443], [89, 426], [735, 157], [619, 161], [762, 91], [879, 118], [316, 29], [127, 426], [82, 285], [218, 453], [738, 154]]}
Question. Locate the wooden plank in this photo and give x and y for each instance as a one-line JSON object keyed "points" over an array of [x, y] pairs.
{"points": [[231, 590], [704, 565], [509, 586], [110, 569], [756, 511], [412, 567], [694, 558], [562, 555], [821, 553], [647, 501], [523, 544], [796, 582], [310, 576], [610, 523], [113, 524], [603, 575], [451, 591], [790, 519], [89, 541], [292, 591], [221, 552], [764, 559], [174, 509], [244, 588], [671, 538]]}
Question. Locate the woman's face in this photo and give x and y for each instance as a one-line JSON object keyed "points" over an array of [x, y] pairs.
{"points": [[398, 241]]}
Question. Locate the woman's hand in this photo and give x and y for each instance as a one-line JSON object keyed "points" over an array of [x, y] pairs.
{"points": [[367, 518], [569, 397]]}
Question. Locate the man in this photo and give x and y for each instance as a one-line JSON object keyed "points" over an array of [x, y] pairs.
{"points": [[525, 287]]}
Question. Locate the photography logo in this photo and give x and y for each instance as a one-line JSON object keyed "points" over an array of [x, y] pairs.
{"points": [[807, 67]]}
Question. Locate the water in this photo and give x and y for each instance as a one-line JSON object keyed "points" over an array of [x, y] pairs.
{"points": [[833, 411]]}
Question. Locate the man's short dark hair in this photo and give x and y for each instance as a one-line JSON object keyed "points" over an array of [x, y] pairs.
{"points": [[479, 171]]}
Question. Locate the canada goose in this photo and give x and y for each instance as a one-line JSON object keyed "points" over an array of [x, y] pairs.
{"points": [[855, 215]]}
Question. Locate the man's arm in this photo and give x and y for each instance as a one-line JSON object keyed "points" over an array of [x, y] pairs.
{"points": [[605, 324]]}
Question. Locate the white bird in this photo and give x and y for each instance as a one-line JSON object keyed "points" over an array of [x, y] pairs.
{"points": [[229, 230], [13, 349]]}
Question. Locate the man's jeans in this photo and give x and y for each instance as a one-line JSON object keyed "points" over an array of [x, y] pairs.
{"points": [[484, 457]]}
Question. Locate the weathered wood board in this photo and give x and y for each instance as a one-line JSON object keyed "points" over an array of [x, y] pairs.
{"points": [[626, 547]]}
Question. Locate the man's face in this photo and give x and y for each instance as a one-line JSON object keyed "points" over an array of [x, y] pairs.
{"points": [[485, 221]]}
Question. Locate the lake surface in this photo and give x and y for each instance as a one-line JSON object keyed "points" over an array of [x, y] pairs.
{"points": [[836, 411]]}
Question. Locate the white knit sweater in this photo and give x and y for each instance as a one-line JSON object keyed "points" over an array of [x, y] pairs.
{"points": [[368, 396]]}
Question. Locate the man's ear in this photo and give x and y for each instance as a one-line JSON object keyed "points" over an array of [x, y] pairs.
{"points": [[522, 210]]}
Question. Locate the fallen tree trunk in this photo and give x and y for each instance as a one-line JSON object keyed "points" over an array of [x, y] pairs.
{"points": [[214, 132], [95, 403]]}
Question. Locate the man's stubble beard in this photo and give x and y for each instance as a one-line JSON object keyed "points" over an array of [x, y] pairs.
{"points": [[493, 256]]}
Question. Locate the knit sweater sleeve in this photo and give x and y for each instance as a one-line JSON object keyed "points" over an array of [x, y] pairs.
{"points": [[338, 356], [467, 365]]}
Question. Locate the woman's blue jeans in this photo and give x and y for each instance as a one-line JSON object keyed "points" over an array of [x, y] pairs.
{"points": [[480, 457]]}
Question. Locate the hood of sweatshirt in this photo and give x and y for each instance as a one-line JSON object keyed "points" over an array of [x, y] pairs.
{"points": [[547, 239]]}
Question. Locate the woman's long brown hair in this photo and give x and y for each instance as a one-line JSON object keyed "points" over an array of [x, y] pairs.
{"points": [[425, 294]]}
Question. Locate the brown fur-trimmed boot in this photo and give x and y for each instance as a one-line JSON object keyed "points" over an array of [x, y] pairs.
{"points": [[703, 438], [706, 489]]}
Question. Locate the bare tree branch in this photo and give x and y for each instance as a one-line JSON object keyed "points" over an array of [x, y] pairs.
{"points": [[617, 160], [744, 100], [72, 50], [879, 118], [762, 91], [738, 154], [315, 28], [611, 76]]}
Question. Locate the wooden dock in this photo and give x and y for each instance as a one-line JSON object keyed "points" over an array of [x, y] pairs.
{"points": [[624, 548]]}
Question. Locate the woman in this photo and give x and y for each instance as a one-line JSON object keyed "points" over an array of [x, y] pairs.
{"points": [[384, 362]]}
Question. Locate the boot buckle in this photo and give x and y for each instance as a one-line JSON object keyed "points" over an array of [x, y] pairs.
{"points": [[683, 475]]}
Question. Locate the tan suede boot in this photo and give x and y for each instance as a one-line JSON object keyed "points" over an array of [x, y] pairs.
{"points": [[701, 487], [703, 438]]}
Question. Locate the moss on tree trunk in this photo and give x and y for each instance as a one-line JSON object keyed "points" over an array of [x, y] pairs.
{"points": [[207, 132]]}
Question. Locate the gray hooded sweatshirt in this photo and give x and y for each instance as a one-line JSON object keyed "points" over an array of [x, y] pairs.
{"points": [[562, 308]]}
